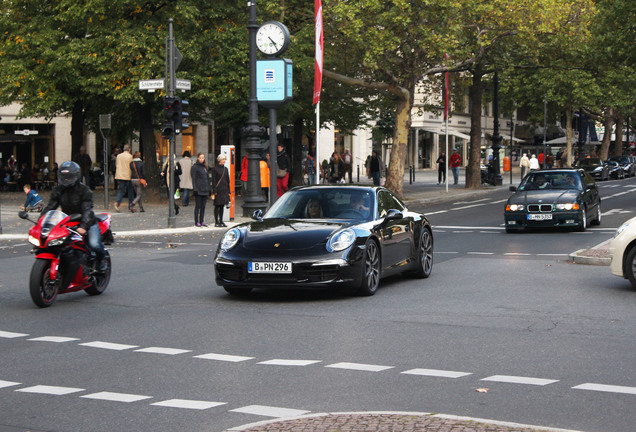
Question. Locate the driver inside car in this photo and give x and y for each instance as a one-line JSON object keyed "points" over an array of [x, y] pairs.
{"points": [[357, 204]]}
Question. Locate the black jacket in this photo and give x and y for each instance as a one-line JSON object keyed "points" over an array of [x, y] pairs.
{"points": [[75, 199], [200, 179], [221, 185]]}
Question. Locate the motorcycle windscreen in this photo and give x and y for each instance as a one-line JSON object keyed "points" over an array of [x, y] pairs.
{"points": [[51, 219]]}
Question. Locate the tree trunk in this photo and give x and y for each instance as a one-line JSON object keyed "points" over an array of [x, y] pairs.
{"points": [[473, 169], [608, 120], [395, 174], [149, 153], [297, 153], [77, 128], [616, 149]]}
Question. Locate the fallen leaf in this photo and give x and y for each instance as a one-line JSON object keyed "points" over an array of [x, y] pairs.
{"points": [[482, 390]]}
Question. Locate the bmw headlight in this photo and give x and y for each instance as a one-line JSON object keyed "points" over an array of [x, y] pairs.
{"points": [[230, 239], [341, 240], [514, 207], [567, 206]]}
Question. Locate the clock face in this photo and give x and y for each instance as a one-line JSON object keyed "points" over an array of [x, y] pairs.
{"points": [[272, 38]]}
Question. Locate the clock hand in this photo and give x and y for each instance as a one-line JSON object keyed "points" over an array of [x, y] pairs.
{"points": [[275, 44]]}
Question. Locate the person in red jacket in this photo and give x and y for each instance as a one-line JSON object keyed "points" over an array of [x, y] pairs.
{"points": [[455, 162], [244, 175]]}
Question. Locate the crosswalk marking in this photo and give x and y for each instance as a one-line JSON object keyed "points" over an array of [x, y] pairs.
{"points": [[520, 380], [223, 357], [56, 339], [359, 366], [108, 345], [436, 373], [51, 390], [10, 335], [606, 388], [160, 350], [116, 397], [269, 411], [188, 404], [283, 362]]}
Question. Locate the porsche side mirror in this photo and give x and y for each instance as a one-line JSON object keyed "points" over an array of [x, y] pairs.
{"points": [[512, 188], [258, 215], [23, 214], [393, 214]]}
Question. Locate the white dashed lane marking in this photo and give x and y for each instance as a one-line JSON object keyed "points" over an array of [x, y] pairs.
{"points": [[56, 339], [108, 345], [223, 357], [520, 380], [10, 335], [436, 373], [50, 390], [283, 362], [4, 384], [606, 388], [116, 397], [359, 367], [188, 404], [159, 350], [268, 411]]}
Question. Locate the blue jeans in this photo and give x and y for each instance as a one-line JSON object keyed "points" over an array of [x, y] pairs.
{"points": [[125, 187], [185, 196], [94, 239], [375, 175], [455, 174]]}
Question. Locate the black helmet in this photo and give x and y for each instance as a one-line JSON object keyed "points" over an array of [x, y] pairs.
{"points": [[68, 174]]}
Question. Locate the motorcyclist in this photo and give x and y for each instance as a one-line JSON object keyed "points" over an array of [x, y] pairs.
{"points": [[75, 197]]}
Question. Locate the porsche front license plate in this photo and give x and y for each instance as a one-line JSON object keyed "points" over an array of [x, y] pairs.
{"points": [[540, 217], [269, 267]]}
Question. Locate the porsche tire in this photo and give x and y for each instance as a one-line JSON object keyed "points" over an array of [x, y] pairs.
{"points": [[370, 269]]}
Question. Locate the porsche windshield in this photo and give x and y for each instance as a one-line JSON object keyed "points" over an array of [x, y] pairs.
{"points": [[539, 180], [324, 203]]}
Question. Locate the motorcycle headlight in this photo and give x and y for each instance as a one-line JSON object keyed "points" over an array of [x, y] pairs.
{"points": [[34, 241], [230, 239], [514, 207], [56, 242], [341, 240], [567, 206]]}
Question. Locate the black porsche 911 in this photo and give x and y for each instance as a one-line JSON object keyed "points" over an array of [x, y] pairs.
{"points": [[554, 198], [326, 236]]}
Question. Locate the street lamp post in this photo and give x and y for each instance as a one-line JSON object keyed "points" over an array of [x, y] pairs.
{"points": [[496, 138], [253, 131]]}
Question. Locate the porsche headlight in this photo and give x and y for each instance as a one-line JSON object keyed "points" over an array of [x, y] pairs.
{"points": [[514, 207], [34, 241], [598, 169], [230, 239], [567, 206], [620, 229], [341, 240]]}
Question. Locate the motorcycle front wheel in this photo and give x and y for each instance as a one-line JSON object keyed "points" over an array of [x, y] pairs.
{"points": [[42, 289], [101, 279]]}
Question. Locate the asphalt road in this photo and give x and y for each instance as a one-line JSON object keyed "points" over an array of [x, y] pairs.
{"points": [[544, 341]]}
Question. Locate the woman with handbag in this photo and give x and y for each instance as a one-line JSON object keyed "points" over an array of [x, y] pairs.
{"points": [[138, 179], [282, 171], [220, 190], [200, 188]]}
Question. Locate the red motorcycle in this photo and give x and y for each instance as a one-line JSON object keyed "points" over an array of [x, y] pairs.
{"points": [[63, 261]]}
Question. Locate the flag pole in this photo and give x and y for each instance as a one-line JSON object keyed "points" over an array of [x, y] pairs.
{"points": [[318, 80], [446, 122], [316, 158]]}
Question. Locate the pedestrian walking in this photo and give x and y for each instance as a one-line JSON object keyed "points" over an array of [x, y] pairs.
{"points": [[455, 163], [524, 163], [549, 161], [165, 173], [85, 162], [336, 169], [348, 160], [201, 189], [282, 171], [123, 174], [374, 168], [310, 169], [185, 179], [441, 168], [220, 189], [138, 180], [534, 163], [243, 178]]}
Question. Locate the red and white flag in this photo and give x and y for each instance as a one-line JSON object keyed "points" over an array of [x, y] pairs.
{"points": [[319, 52], [445, 92]]}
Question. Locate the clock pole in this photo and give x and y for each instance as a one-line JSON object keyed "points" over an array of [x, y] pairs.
{"points": [[253, 131]]}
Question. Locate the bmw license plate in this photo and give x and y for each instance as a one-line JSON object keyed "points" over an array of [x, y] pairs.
{"points": [[540, 217], [269, 267]]}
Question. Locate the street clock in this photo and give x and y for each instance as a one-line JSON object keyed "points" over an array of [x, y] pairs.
{"points": [[272, 38]]}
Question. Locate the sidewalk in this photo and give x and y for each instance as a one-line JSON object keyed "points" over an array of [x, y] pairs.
{"points": [[155, 219]]}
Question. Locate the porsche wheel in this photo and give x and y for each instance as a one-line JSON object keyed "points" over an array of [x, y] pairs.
{"points": [[425, 254], [370, 269], [630, 266]]}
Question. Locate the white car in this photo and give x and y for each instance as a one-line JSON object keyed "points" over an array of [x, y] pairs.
{"points": [[622, 249]]}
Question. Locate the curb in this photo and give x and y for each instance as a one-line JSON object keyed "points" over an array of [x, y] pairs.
{"points": [[309, 422], [598, 255]]}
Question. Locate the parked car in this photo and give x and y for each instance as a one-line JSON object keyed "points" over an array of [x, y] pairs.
{"points": [[326, 236], [595, 167], [560, 198], [616, 171], [628, 164], [622, 249]]}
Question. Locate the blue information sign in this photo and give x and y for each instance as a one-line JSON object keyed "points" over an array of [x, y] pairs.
{"points": [[273, 82]]}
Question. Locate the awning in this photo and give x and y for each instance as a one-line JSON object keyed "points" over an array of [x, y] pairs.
{"points": [[507, 137], [450, 132]]}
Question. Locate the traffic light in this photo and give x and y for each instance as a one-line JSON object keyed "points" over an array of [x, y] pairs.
{"points": [[183, 117], [171, 114]]}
